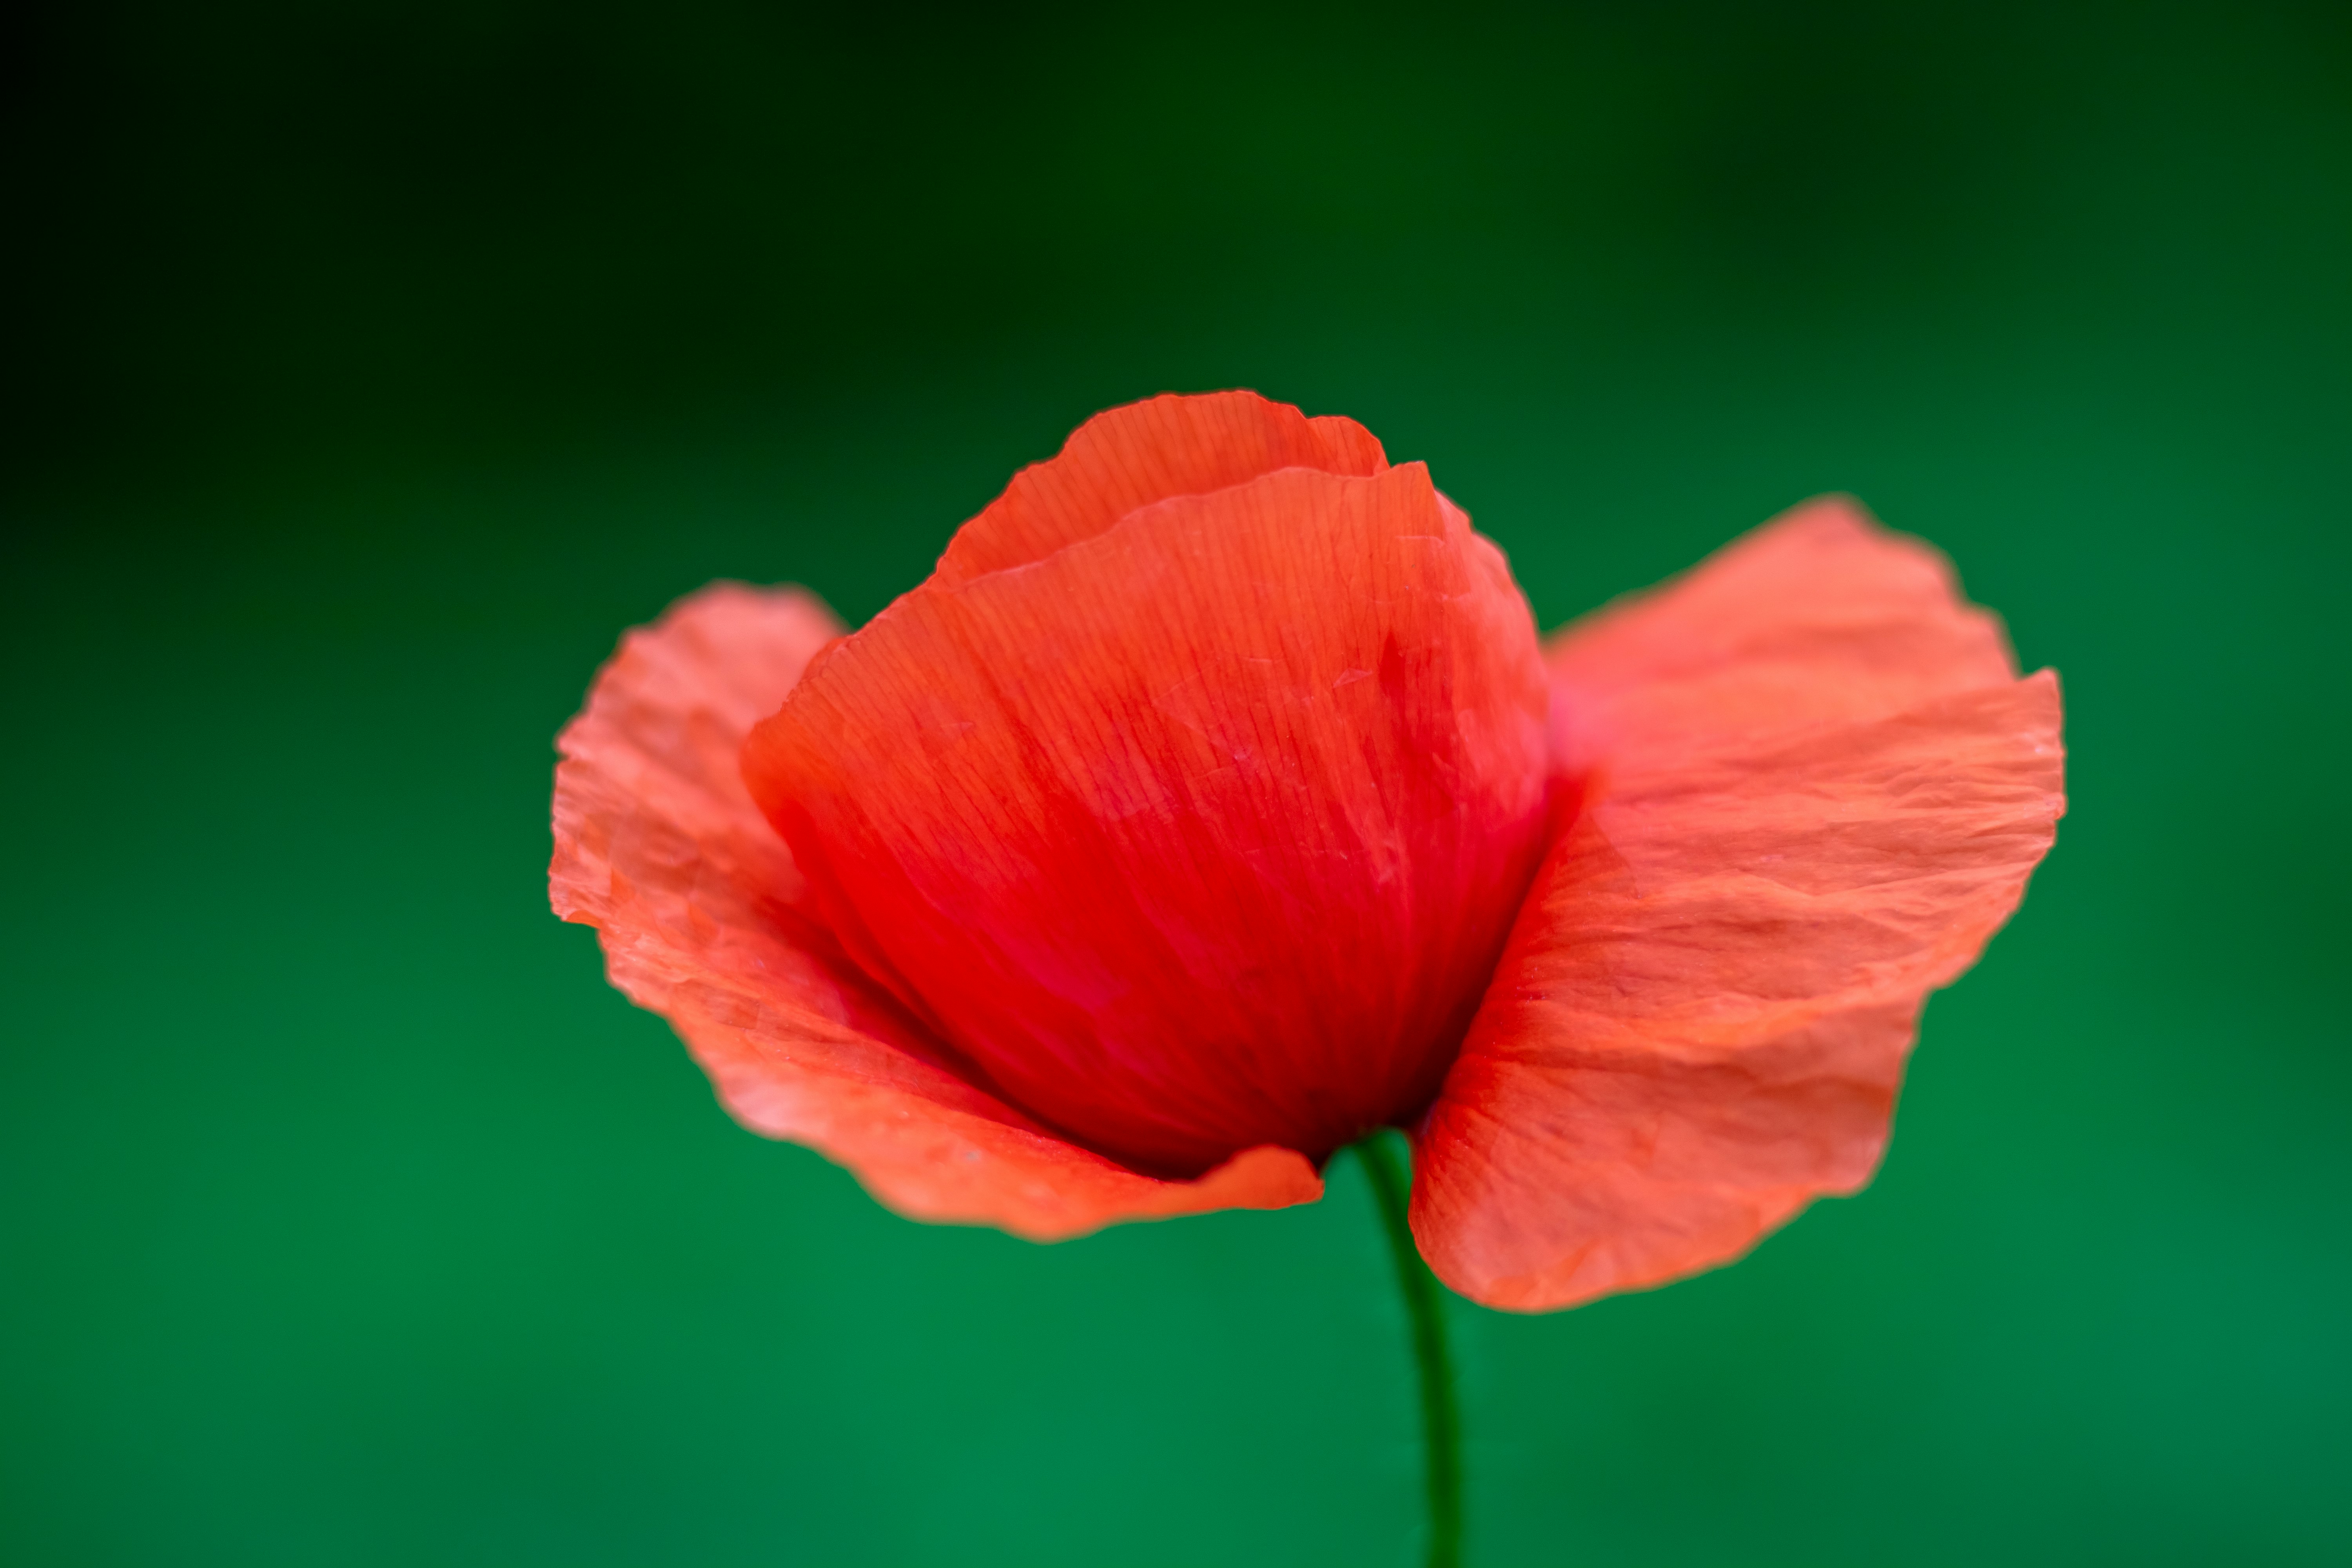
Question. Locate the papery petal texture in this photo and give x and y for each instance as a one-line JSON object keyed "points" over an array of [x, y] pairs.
{"points": [[703, 919], [1813, 787], [1128, 458], [1200, 832]]}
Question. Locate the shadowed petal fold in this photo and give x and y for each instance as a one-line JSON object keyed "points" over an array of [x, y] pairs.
{"points": [[1813, 789], [702, 917]]}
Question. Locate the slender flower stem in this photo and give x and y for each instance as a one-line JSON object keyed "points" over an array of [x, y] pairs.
{"points": [[1441, 1427]]}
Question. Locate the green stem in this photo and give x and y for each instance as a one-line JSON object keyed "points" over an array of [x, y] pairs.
{"points": [[1424, 1301]]}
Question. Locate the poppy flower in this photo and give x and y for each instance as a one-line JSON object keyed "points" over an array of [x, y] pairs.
{"points": [[1214, 803]]}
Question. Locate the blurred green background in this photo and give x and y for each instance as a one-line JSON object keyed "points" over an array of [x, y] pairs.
{"points": [[371, 368]]}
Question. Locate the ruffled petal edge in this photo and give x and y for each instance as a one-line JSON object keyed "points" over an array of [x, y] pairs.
{"points": [[699, 911], [1701, 1021]]}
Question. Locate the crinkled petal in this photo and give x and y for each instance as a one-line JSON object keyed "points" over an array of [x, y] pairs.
{"points": [[1820, 617], [1129, 458], [1815, 789], [703, 920], [1201, 832]]}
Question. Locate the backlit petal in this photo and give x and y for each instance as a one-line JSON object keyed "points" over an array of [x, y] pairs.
{"points": [[1815, 790], [700, 913]]}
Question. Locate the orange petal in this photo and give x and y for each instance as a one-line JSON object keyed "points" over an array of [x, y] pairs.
{"points": [[1816, 790], [1144, 452], [658, 844], [1201, 833]]}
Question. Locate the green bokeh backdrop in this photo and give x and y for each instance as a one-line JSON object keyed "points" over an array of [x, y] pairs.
{"points": [[373, 367]]}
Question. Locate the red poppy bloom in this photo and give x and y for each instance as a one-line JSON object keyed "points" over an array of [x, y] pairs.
{"points": [[1214, 804]]}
